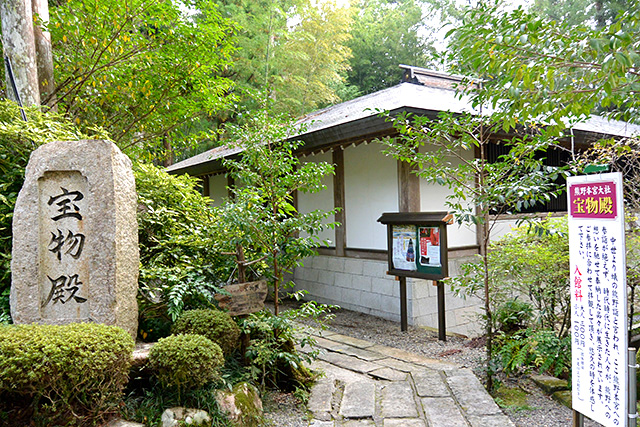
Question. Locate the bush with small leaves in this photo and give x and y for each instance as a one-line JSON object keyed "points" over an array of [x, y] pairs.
{"points": [[216, 325], [67, 375], [186, 361], [541, 349], [513, 315]]}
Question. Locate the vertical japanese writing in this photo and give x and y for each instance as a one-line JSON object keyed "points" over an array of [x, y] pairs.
{"points": [[63, 211], [66, 203], [65, 287]]}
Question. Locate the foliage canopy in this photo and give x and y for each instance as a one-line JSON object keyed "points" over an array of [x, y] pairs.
{"points": [[535, 70], [181, 264], [386, 34], [145, 70]]}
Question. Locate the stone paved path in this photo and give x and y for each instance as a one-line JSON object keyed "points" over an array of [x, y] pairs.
{"points": [[366, 384]]}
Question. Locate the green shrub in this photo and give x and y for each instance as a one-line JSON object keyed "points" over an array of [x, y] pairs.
{"points": [[541, 349], [71, 374], [216, 325], [274, 360], [530, 264], [535, 265], [180, 254], [513, 315], [185, 361]]}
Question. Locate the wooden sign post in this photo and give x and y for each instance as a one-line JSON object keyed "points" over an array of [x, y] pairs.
{"points": [[417, 247], [243, 298]]}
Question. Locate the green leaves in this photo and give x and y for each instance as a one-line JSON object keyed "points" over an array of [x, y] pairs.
{"points": [[529, 349], [80, 369], [181, 264], [140, 69], [553, 73], [384, 35], [517, 181], [261, 217]]}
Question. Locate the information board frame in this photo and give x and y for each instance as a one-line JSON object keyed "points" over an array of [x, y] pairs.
{"points": [[428, 264]]}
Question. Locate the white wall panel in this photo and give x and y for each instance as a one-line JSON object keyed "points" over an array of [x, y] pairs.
{"points": [[322, 200], [371, 188], [433, 198]]}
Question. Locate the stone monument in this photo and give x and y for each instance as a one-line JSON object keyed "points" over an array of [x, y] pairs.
{"points": [[75, 237]]}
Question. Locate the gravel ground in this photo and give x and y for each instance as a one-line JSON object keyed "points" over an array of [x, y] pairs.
{"points": [[283, 410]]}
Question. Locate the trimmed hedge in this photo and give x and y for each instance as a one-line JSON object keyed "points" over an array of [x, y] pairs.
{"points": [[68, 374], [216, 325], [184, 361]]}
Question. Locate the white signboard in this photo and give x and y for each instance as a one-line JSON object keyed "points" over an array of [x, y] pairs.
{"points": [[598, 297]]}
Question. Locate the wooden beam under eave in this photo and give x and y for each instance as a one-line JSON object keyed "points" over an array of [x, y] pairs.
{"points": [[408, 188], [205, 186], [230, 184], [338, 201]]}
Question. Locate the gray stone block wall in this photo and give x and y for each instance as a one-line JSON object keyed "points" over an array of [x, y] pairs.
{"points": [[363, 286]]}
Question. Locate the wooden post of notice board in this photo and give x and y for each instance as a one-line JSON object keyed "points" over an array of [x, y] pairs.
{"points": [[417, 247], [442, 328], [404, 323]]}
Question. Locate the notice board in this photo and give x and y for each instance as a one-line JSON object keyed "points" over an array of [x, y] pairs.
{"points": [[417, 244], [598, 297]]}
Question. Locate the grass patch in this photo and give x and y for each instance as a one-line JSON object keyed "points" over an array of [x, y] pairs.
{"points": [[512, 398]]}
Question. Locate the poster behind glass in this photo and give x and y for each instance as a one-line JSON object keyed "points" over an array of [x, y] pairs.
{"points": [[404, 247], [429, 246]]}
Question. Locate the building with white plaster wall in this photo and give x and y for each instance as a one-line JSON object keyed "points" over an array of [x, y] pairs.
{"points": [[352, 271]]}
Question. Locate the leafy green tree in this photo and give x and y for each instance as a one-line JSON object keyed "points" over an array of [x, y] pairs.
{"points": [[575, 12], [261, 29], [317, 58], [529, 264], [145, 70], [539, 71], [607, 11], [386, 34], [262, 215], [544, 76], [290, 51], [181, 265]]}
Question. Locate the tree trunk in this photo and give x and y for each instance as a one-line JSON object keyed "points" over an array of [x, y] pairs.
{"points": [[276, 285], [484, 250], [19, 46], [44, 56], [600, 19], [168, 151], [487, 304], [242, 276]]}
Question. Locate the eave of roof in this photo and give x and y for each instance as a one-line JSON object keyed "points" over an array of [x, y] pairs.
{"points": [[345, 121], [403, 95], [359, 119]]}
